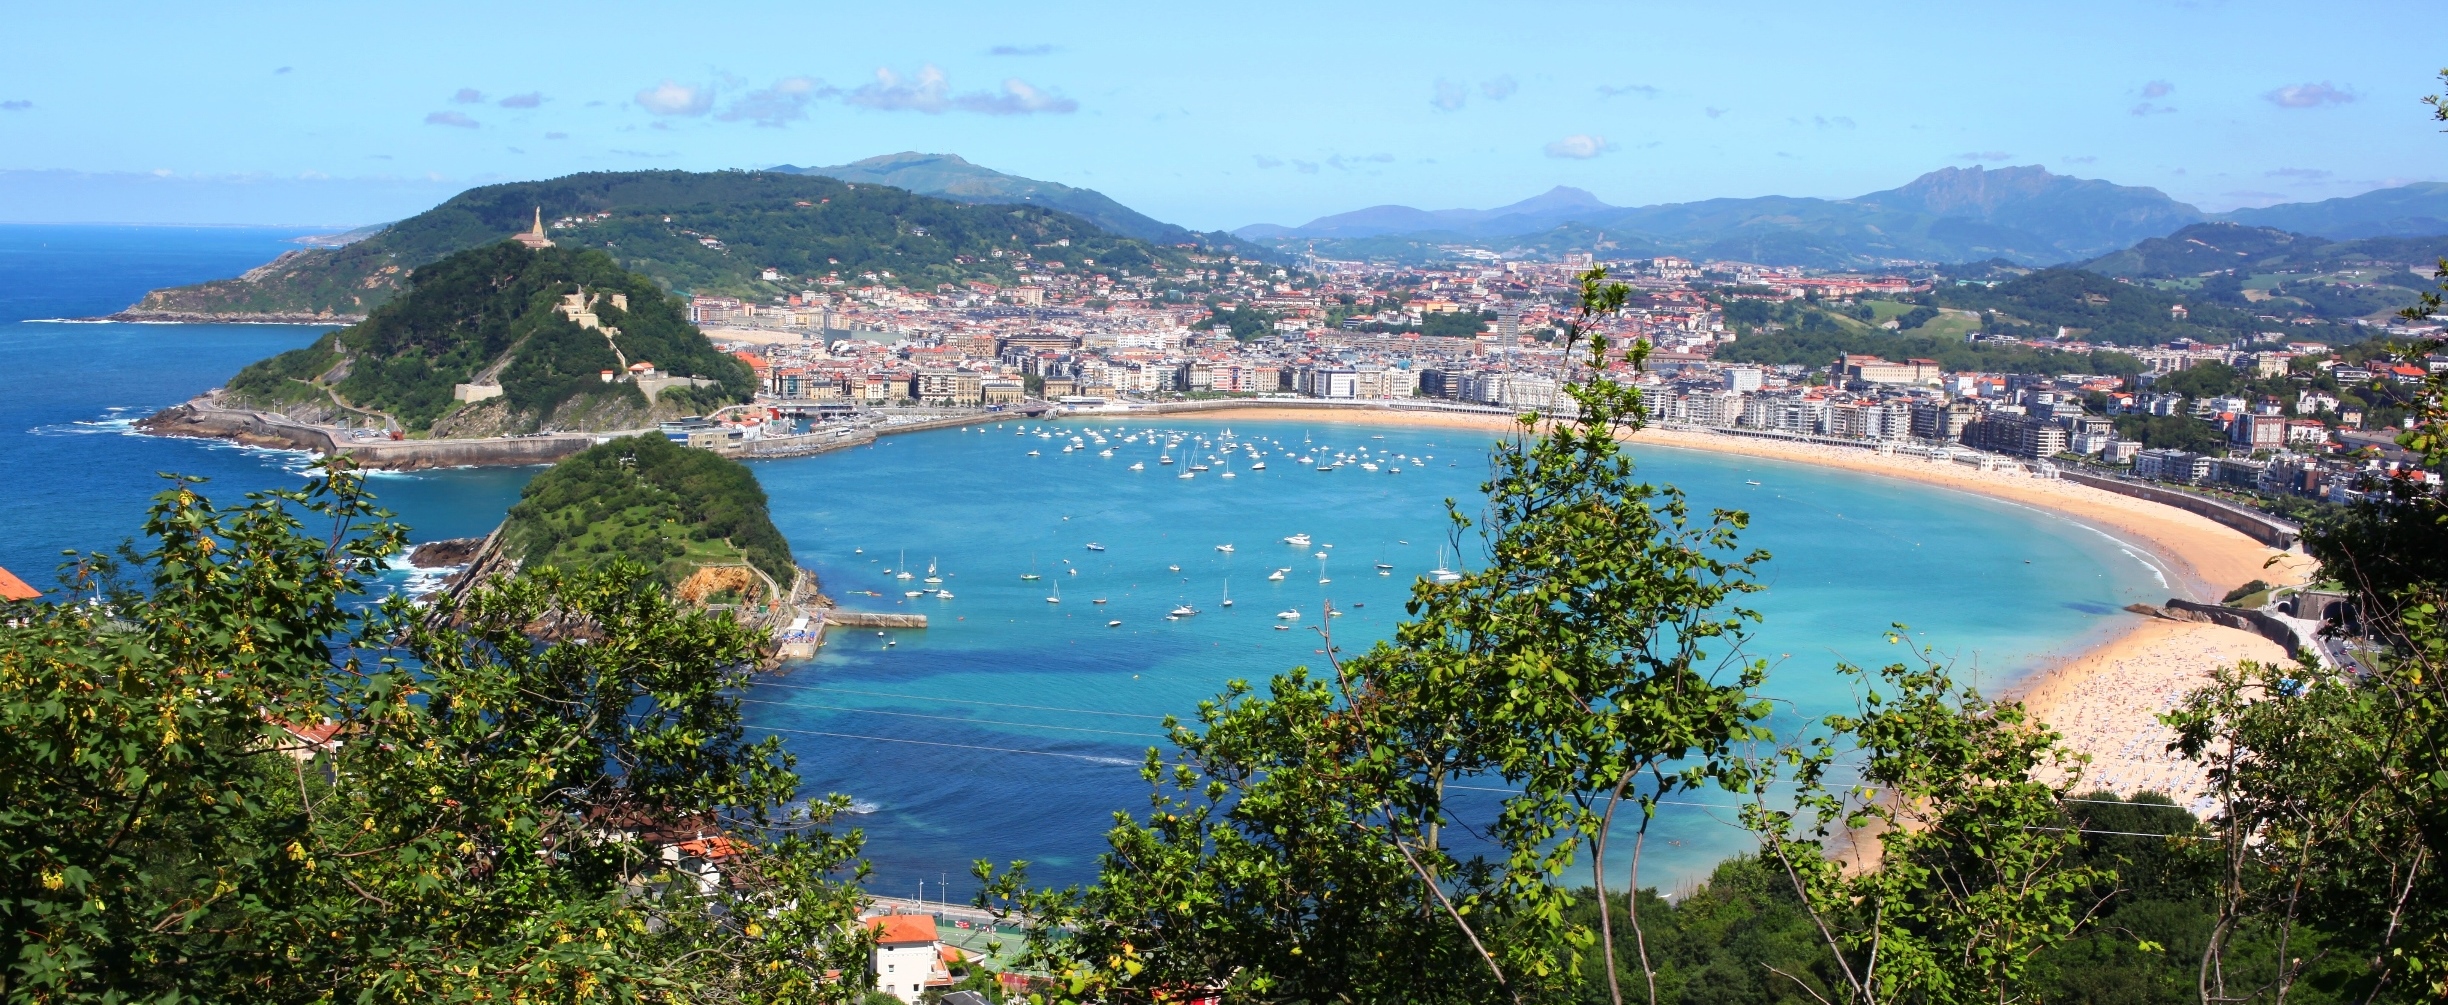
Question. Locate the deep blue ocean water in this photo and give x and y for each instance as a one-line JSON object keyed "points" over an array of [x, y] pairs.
{"points": [[1013, 727]]}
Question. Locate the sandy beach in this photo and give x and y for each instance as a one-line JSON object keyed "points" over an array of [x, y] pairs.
{"points": [[2106, 699]]}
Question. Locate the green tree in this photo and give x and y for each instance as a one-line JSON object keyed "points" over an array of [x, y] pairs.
{"points": [[1297, 845], [239, 785], [1976, 869]]}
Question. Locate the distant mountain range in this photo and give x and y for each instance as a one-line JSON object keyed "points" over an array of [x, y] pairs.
{"points": [[947, 176], [2023, 214]]}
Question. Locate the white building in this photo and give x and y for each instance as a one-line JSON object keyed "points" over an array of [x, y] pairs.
{"points": [[908, 957]]}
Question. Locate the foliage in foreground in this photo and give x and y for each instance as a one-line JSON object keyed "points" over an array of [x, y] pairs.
{"points": [[230, 787]]}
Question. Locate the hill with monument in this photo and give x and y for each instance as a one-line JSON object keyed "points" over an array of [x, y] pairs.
{"points": [[748, 234]]}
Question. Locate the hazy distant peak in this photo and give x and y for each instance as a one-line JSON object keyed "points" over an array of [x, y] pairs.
{"points": [[1561, 197]]}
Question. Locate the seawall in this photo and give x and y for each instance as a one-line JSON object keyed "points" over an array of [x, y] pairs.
{"points": [[2266, 529], [200, 418]]}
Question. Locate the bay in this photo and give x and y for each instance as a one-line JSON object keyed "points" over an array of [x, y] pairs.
{"points": [[1013, 727]]}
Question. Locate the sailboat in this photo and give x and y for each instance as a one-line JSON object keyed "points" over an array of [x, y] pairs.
{"points": [[1228, 593], [1291, 614], [1277, 575], [1032, 573], [904, 566], [1228, 471], [1322, 568], [1056, 596], [931, 577], [1441, 574]]}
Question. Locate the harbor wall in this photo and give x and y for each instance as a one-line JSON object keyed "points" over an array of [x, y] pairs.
{"points": [[2266, 529]]}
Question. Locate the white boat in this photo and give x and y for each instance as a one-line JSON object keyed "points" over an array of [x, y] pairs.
{"points": [[1138, 465], [905, 573], [915, 593], [1277, 575], [1228, 593], [1184, 611], [1115, 623], [1093, 546], [1032, 453], [1319, 555], [943, 594], [1368, 466], [1187, 474], [1173, 568], [1056, 597], [1260, 466], [1289, 615], [1032, 573], [1198, 467], [1441, 574], [1164, 459], [931, 577], [1298, 540], [1107, 452], [1225, 548]]}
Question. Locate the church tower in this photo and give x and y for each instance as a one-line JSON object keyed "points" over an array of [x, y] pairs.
{"points": [[535, 238]]}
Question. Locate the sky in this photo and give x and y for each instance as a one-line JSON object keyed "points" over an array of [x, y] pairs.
{"points": [[1207, 115]]}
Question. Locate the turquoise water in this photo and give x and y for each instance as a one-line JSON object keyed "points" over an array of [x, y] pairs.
{"points": [[1012, 728]]}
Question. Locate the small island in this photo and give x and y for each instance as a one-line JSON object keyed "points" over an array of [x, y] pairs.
{"points": [[697, 520]]}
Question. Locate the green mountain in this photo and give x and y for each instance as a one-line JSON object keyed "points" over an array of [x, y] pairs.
{"points": [[497, 315], [712, 233], [2416, 210], [948, 176], [2025, 215], [647, 499], [2204, 248]]}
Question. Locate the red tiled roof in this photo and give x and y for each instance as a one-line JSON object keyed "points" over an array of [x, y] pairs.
{"points": [[902, 929], [13, 588]]}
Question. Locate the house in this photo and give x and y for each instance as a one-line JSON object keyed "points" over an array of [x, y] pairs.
{"points": [[909, 957]]}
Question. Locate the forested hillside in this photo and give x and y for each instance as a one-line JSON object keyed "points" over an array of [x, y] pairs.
{"points": [[650, 501], [491, 312], [705, 233]]}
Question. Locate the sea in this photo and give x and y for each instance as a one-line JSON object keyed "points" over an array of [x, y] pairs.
{"points": [[1015, 725]]}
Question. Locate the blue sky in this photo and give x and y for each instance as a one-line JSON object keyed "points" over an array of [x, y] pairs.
{"points": [[1209, 115]]}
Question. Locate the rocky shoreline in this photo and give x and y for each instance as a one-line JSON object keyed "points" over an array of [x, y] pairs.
{"points": [[229, 318]]}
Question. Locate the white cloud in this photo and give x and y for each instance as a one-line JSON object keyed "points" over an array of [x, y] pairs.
{"points": [[1615, 91], [2308, 96], [927, 91], [1038, 49], [1018, 98], [530, 99], [786, 101], [674, 98], [1449, 95], [1984, 155], [468, 96], [450, 119], [1500, 88], [1579, 146], [2158, 89]]}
